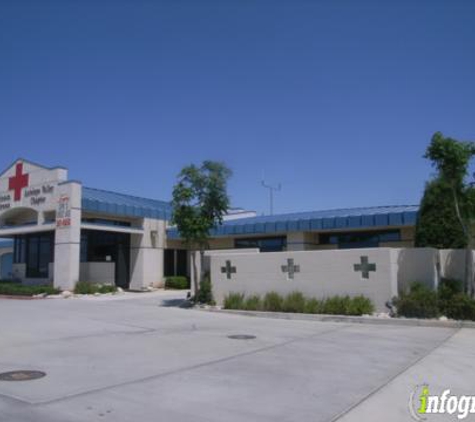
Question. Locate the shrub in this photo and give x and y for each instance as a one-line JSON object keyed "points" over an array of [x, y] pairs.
{"points": [[448, 288], [106, 288], [336, 305], [453, 302], [273, 302], [177, 282], [17, 289], [449, 300], [460, 306], [420, 302], [360, 305], [313, 306], [253, 303], [205, 295], [294, 302], [234, 301], [87, 288]]}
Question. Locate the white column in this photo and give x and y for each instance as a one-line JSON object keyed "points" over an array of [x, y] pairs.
{"points": [[67, 236], [300, 241], [146, 255]]}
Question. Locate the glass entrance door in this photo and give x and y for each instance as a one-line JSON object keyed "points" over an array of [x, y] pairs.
{"points": [[122, 266], [103, 246]]}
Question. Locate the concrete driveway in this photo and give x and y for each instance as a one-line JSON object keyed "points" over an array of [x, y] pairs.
{"points": [[138, 359]]}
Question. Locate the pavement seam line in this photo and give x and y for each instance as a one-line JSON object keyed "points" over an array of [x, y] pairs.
{"points": [[393, 377], [79, 337], [185, 369]]}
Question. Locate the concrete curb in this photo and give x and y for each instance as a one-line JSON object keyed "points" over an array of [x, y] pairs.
{"points": [[20, 297], [348, 319]]}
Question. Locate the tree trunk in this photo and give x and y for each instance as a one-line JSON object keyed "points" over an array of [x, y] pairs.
{"points": [[202, 266], [468, 282], [196, 283], [468, 271]]}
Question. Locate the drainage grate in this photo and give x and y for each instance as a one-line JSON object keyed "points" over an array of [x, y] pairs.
{"points": [[21, 375], [242, 337]]}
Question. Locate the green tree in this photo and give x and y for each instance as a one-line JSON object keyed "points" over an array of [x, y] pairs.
{"points": [[438, 225], [200, 200], [447, 206]]}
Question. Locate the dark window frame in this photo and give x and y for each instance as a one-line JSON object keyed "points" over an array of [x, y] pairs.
{"points": [[262, 243], [346, 240], [106, 222], [175, 262], [96, 245]]}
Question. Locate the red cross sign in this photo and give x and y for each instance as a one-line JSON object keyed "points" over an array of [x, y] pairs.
{"points": [[18, 182]]}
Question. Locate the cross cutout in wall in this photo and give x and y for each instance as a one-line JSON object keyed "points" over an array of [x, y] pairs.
{"points": [[290, 268], [365, 267], [228, 270]]}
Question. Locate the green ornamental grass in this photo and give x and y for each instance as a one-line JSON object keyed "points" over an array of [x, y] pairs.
{"points": [[273, 302], [296, 302], [234, 301], [253, 303]]}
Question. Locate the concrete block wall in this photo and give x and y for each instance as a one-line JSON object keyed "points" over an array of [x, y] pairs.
{"points": [[97, 272], [327, 273], [19, 271], [416, 265], [207, 260], [321, 274], [452, 263]]}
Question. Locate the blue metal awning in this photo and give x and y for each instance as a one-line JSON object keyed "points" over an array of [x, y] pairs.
{"points": [[348, 218], [113, 203]]}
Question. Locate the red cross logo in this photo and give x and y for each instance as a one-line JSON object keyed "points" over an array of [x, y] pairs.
{"points": [[18, 182]]}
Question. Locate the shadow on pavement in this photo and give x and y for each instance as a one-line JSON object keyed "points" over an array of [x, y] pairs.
{"points": [[176, 303]]}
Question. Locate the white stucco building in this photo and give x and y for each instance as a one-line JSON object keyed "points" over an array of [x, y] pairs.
{"points": [[64, 232]]}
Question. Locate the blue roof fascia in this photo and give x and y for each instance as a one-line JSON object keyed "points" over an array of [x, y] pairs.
{"points": [[358, 218], [113, 203]]}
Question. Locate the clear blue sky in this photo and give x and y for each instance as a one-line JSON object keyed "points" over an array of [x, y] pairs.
{"points": [[336, 100]]}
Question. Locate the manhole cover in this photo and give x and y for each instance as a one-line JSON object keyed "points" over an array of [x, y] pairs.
{"points": [[21, 375], [242, 337]]}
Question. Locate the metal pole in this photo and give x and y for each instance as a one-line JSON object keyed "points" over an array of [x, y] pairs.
{"points": [[271, 194], [271, 201]]}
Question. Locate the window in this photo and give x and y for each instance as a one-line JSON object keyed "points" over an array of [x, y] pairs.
{"points": [[176, 262], [105, 222], [359, 239], [264, 244], [36, 251], [99, 246], [19, 250]]}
